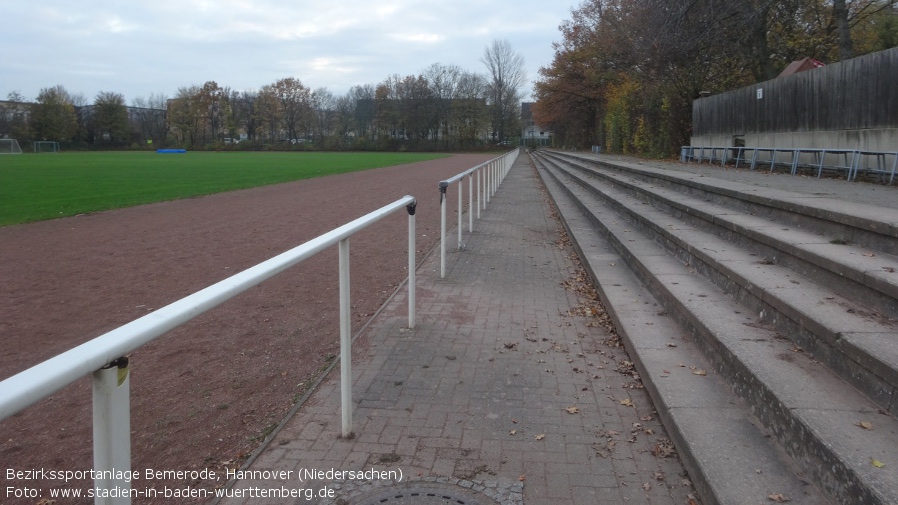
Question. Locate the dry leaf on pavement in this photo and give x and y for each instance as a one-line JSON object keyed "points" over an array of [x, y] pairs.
{"points": [[572, 410]]}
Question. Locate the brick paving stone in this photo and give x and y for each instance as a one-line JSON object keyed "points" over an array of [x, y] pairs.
{"points": [[497, 382]]}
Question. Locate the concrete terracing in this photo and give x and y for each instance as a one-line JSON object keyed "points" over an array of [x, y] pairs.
{"points": [[778, 293]]}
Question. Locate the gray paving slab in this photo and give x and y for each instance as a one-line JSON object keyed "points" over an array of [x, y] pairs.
{"points": [[500, 383]]}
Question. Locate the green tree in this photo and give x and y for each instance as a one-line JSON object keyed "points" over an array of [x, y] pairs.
{"points": [[53, 116], [469, 116], [110, 119]]}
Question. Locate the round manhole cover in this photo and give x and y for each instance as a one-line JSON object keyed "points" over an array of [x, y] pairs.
{"points": [[424, 494]]}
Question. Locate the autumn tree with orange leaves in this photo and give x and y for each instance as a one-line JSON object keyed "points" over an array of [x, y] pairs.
{"points": [[626, 71]]}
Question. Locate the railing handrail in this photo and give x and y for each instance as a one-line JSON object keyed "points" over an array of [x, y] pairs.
{"points": [[469, 171], [494, 172], [40, 381]]}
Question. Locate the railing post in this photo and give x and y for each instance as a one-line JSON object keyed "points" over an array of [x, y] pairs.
{"points": [[461, 183], [112, 430], [345, 340], [471, 203], [479, 193], [411, 263], [443, 186], [488, 183]]}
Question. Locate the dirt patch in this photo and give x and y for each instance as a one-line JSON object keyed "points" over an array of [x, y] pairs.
{"points": [[205, 394]]}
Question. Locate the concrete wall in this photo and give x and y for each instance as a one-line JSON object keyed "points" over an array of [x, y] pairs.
{"points": [[882, 139]]}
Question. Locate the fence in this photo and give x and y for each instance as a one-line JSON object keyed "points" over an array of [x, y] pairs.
{"points": [[104, 357], [856, 94], [493, 172]]}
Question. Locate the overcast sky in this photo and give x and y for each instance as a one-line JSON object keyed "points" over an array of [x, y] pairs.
{"points": [[157, 46]]}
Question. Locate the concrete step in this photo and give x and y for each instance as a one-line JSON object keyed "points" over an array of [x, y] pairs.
{"points": [[759, 389], [872, 226], [861, 273], [841, 331]]}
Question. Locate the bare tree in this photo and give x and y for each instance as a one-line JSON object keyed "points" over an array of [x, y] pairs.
{"points": [[244, 104], [324, 106], [150, 115], [293, 98], [507, 77], [13, 116], [364, 110], [443, 82]]}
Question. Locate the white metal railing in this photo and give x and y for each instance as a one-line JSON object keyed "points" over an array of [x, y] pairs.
{"points": [[105, 358], [493, 172], [882, 163]]}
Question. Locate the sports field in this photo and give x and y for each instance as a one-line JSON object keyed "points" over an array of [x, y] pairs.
{"points": [[38, 187]]}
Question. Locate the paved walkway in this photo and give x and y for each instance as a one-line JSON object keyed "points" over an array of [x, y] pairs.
{"points": [[501, 389]]}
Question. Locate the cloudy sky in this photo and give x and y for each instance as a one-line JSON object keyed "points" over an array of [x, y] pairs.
{"points": [[138, 48]]}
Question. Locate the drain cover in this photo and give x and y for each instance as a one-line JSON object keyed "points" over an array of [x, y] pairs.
{"points": [[424, 494]]}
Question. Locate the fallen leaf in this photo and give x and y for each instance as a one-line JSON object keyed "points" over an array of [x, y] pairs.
{"points": [[778, 497], [877, 463], [646, 486], [869, 255], [540, 436], [663, 450], [627, 403], [572, 410], [522, 478], [512, 432], [865, 425], [699, 372]]}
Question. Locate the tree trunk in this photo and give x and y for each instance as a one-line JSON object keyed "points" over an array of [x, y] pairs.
{"points": [[840, 11]]}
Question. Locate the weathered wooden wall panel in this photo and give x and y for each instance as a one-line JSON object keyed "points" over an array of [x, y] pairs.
{"points": [[857, 94]]}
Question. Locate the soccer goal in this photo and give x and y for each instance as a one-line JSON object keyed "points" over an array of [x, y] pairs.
{"points": [[46, 146], [10, 146]]}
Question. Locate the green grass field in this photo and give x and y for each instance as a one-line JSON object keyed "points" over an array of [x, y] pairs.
{"points": [[35, 187]]}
